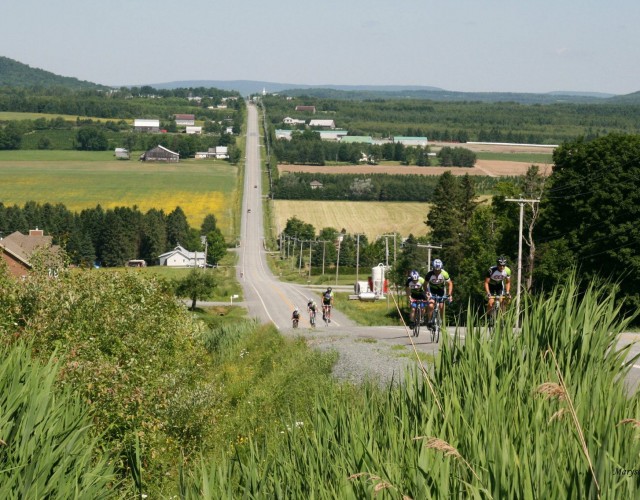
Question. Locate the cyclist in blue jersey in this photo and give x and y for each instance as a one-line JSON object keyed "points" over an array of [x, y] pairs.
{"points": [[415, 289]]}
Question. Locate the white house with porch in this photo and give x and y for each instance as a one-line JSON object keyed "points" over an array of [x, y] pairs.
{"points": [[181, 257]]}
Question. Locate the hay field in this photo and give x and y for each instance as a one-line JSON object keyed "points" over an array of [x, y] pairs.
{"points": [[198, 187], [372, 218]]}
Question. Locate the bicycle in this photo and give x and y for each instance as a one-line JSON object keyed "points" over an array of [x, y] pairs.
{"points": [[326, 314], [418, 318], [435, 325], [295, 322], [312, 318], [496, 309]]}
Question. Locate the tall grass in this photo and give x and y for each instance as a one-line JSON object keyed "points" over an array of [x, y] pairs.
{"points": [[46, 450], [542, 413]]}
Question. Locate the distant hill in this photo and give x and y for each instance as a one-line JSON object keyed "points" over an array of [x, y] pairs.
{"points": [[17, 74], [360, 92], [247, 87]]}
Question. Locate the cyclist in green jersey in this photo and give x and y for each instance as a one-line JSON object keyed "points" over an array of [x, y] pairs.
{"points": [[437, 281]]}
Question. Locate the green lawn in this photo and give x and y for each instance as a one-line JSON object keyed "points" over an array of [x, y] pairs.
{"points": [[81, 180]]}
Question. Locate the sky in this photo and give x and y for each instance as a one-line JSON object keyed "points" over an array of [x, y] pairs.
{"points": [[459, 45]]}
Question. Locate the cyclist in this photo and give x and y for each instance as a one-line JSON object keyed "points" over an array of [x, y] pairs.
{"points": [[312, 308], [415, 290], [327, 303], [437, 280], [295, 317], [497, 281]]}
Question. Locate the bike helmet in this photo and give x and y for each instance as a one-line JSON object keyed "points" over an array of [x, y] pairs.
{"points": [[414, 275], [437, 264], [502, 261], [295, 310], [328, 289]]}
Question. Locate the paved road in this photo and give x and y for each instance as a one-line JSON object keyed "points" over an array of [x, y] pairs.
{"points": [[271, 300]]}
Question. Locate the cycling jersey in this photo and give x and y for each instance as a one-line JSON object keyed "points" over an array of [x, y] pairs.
{"points": [[497, 279], [312, 306], [436, 282], [416, 288], [326, 298]]}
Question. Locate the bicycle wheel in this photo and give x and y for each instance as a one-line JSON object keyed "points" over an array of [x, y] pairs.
{"points": [[325, 316], [417, 321], [435, 330]]}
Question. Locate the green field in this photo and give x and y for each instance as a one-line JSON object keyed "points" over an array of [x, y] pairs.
{"points": [[85, 179], [520, 157]]}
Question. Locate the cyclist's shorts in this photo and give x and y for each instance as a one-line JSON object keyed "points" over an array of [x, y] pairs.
{"points": [[421, 295], [496, 289], [438, 291]]}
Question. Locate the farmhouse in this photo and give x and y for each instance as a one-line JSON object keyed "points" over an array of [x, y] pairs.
{"points": [[293, 121], [180, 257], [18, 250], [316, 185], [411, 141], [307, 109], [219, 152], [145, 125], [194, 130], [160, 153], [185, 120], [330, 124]]}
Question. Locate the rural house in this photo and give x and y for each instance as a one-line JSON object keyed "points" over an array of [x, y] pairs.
{"points": [[195, 129], [316, 185], [220, 152], [306, 109], [18, 250], [185, 120], [144, 125], [328, 124], [293, 121], [180, 257], [160, 153]]}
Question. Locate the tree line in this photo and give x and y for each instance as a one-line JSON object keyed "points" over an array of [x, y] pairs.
{"points": [[112, 237], [586, 220], [359, 187], [465, 121]]}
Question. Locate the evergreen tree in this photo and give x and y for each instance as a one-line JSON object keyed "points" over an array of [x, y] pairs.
{"points": [[177, 228]]}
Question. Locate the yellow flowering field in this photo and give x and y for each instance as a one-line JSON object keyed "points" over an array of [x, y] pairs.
{"points": [[198, 187]]}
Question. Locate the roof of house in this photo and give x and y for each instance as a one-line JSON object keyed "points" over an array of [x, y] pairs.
{"points": [[182, 251], [22, 246], [144, 122], [159, 146], [322, 123], [185, 117]]}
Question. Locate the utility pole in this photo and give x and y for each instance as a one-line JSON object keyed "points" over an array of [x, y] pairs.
{"points": [[430, 247], [521, 202], [310, 243]]}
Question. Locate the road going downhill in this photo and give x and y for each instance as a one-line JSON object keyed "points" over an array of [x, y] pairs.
{"points": [[381, 352], [266, 297]]}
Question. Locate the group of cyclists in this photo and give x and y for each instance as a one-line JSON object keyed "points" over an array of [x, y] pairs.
{"points": [[435, 286], [312, 308]]}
